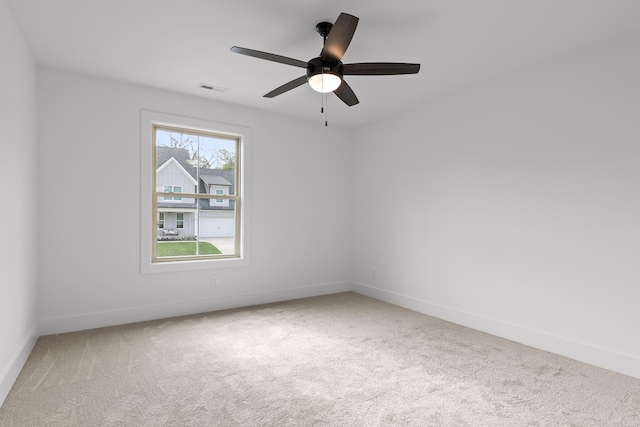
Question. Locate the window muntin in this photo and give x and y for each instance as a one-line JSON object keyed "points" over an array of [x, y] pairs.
{"points": [[207, 221]]}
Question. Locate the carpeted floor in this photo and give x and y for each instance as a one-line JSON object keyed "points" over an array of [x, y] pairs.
{"points": [[337, 360]]}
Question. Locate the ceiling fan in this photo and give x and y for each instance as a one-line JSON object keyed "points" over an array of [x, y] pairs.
{"points": [[325, 73]]}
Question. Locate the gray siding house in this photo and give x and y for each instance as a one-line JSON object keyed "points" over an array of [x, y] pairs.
{"points": [[181, 216]]}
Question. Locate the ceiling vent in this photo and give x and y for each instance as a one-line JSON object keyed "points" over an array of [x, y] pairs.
{"points": [[214, 88]]}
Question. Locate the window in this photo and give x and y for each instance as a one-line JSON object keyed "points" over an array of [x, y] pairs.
{"points": [[172, 189], [181, 153]]}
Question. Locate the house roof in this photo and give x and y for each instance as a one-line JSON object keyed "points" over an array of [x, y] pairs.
{"points": [[181, 155], [214, 180]]}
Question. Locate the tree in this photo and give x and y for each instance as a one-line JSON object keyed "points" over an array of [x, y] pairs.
{"points": [[190, 143], [226, 160]]}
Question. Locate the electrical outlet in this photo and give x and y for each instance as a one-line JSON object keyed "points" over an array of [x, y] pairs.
{"points": [[214, 280], [374, 273]]}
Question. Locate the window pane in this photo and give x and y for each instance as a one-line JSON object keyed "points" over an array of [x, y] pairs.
{"points": [[178, 236], [167, 189], [196, 226], [217, 226], [217, 165], [182, 248], [214, 231], [177, 189]]}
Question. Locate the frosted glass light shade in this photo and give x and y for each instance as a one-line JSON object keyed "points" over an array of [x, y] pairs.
{"points": [[324, 82]]}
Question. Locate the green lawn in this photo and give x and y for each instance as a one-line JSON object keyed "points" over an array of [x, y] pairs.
{"points": [[166, 249]]}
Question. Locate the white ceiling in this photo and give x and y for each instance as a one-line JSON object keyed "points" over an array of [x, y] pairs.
{"points": [[178, 44]]}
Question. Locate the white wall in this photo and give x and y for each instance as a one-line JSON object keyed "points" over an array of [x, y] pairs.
{"points": [[90, 267], [18, 170], [514, 207]]}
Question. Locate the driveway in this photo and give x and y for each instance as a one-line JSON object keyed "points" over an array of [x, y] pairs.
{"points": [[225, 244]]}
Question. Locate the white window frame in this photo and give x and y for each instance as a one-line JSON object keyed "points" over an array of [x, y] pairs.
{"points": [[149, 119]]}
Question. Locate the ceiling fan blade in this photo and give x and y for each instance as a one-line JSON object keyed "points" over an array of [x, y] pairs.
{"points": [[269, 56], [380, 69], [287, 87], [346, 94], [339, 38]]}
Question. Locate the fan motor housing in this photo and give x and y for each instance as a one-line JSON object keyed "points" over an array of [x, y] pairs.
{"points": [[317, 66]]}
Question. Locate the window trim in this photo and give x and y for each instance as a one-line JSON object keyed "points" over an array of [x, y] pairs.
{"points": [[149, 119]]}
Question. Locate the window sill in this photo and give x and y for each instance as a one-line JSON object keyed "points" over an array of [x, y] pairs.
{"points": [[192, 265]]}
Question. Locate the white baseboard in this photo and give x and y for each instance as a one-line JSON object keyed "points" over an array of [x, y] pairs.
{"points": [[593, 355], [10, 372], [85, 321]]}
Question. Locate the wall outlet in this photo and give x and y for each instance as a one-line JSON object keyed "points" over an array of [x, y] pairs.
{"points": [[374, 273], [214, 280]]}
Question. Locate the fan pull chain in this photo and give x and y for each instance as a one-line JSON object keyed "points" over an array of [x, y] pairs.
{"points": [[325, 110]]}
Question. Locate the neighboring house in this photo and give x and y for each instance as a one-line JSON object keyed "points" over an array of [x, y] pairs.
{"points": [[177, 215]]}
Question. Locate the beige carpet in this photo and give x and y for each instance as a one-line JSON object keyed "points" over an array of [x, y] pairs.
{"points": [[338, 360]]}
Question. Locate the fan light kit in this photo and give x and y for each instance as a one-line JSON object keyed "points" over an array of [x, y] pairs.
{"points": [[325, 73], [324, 82]]}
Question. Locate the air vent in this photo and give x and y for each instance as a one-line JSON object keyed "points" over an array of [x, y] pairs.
{"points": [[214, 88]]}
